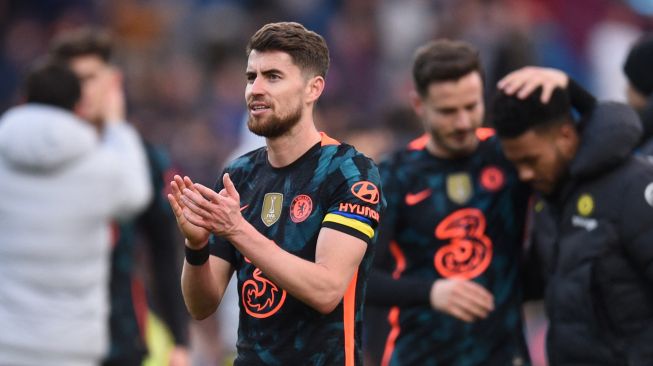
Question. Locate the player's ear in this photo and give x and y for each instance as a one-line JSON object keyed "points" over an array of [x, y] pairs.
{"points": [[314, 88], [566, 138], [416, 102]]}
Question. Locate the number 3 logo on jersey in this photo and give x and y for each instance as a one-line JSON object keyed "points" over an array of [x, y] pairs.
{"points": [[469, 251]]}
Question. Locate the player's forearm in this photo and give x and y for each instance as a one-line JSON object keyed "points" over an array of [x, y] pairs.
{"points": [[383, 290], [133, 185], [200, 292], [312, 283]]}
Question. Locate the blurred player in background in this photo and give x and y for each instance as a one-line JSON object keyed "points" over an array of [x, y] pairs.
{"points": [[639, 72], [63, 181], [593, 222], [88, 52], [450, 243]]}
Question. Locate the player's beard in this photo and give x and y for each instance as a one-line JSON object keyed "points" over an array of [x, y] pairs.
{"points": [[275, 126], [550, 185], [455, 148]]}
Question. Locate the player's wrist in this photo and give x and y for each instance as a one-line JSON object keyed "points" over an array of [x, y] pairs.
{"points": [[196, 245], [237, 230], [434, 296], [196, 255]]}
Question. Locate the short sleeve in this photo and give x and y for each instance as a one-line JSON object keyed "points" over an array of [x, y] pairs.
{"points": [[355, 202], [222, 248]]}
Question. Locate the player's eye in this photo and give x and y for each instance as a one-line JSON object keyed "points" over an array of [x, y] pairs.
{"points": [[447, 111], [471, 107]]}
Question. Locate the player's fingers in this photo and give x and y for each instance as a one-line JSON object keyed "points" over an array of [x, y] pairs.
{"points": [[229, 186], [478, 294], [174, 187], [226, 201], [547, 91], [461, 314], [198, 199], [206, 192], [176, 193], [528, 88], [194, 206], [502, 83], [179, 181], [188, 183], [509, 84], [514, 81], [507, 80], [473, 300], [173, 203], [176, 209], [472, 306], [195, 219]]}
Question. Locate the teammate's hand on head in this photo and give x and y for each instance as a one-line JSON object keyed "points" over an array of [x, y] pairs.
{"points": [[196, 236], [524, 81], [462, 299], [216, 212]]}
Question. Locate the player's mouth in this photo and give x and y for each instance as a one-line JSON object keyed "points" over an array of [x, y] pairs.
{"points": [[461, 137], [257, 108]]}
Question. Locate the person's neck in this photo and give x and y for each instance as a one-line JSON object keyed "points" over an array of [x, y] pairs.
{"points": [[284, 150]]}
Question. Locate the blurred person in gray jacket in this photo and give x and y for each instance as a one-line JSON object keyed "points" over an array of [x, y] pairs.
{"points": [[62, 183]]}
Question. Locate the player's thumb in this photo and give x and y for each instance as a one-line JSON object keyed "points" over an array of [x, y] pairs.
{"points": [[229, 186]]}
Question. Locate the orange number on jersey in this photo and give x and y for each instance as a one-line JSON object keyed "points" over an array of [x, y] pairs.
{"points": [[469, 251]]}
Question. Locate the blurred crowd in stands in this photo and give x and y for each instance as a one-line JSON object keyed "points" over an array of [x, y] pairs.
{"points": [[184, 60]]}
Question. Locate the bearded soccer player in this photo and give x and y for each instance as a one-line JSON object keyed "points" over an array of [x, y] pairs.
{"points": [[296, 219], [450, 241]]}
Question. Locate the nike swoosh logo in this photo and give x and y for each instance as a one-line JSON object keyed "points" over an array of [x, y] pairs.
{"points": [[414, 198], [244, 207]]}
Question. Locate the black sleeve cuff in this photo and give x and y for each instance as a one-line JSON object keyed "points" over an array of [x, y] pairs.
{"points": [[222, 249], [347, 230], [383, 290]]}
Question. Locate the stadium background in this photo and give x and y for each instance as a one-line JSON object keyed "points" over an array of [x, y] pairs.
{"points": [[184, 62]]}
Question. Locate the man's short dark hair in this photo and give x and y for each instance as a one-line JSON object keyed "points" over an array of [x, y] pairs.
{"points": [[443, 60], [53, 83], [514, 116], [82, 42], [307, 48], [639, 65]]}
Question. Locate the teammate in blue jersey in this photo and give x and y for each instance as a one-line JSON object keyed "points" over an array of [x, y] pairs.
{"points": [[448, 259], [296, 219]]}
